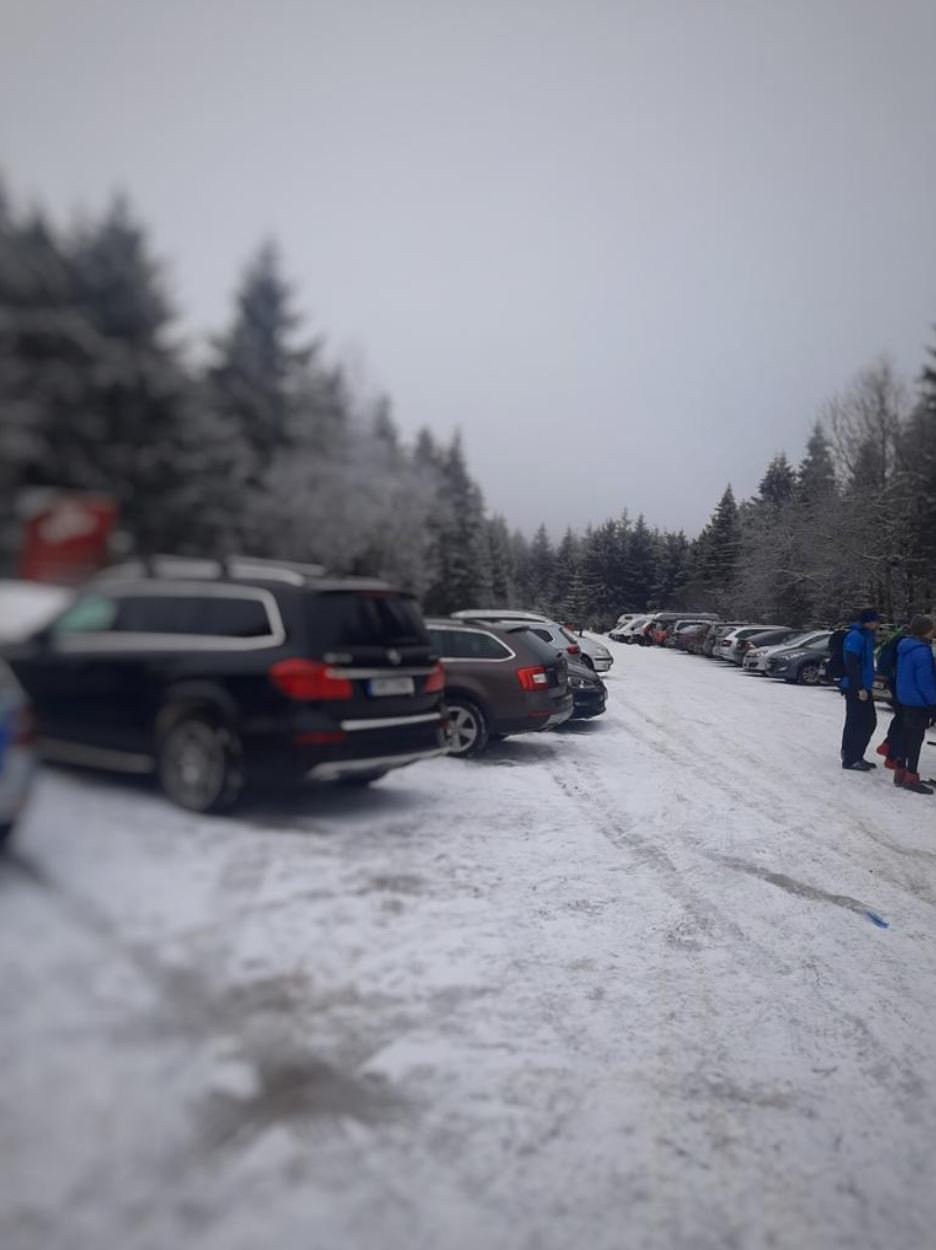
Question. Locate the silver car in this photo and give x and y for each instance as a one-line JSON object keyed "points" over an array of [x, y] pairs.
{"points": [[17, 751], [564, 640]]}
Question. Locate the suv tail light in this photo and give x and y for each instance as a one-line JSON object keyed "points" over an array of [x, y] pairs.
{"points": [[532, 678], [435, 682], [309, 680]]}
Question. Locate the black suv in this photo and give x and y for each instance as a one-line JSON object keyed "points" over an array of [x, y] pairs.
{"points": [[214, 676]]}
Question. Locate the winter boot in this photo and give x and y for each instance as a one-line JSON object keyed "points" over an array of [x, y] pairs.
{"points": [[914, 783], [891, 765], [884, 749], [900, 775]]}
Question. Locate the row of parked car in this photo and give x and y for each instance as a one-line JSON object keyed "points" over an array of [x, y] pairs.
{"points": [[216, 676], [794, 655]]}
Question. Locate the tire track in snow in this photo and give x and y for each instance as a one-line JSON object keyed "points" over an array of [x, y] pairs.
{"points": [[777, 808], [881, 1063]]}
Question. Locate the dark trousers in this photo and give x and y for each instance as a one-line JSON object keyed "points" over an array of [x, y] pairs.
{"points": [[860, 720], [895, 730], [915, 722]]}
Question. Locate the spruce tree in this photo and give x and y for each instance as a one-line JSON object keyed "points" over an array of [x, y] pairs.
{"points": [[542, 571], [815, 477], [778, 483], [262, 378], [565, 566], [501, 557], [641, 567]]}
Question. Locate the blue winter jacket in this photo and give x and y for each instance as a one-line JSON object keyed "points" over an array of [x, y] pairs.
{"points": [[916, 673], [858, 654]]}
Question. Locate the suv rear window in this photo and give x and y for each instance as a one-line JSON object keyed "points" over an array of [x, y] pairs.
{"points": [[341, 619]]}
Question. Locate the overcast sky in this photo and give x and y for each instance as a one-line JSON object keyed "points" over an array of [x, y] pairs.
{"points": [[629, 246]]}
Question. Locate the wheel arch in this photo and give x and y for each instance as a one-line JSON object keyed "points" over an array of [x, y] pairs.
{"points": [[185, 697]]}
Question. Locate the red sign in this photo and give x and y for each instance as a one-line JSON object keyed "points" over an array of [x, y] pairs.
{"points": [[67, 539]]}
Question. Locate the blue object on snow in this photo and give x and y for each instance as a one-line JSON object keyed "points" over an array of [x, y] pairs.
{"points": [[878, 920]]}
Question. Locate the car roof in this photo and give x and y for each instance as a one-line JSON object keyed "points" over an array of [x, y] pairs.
{"points": [[498, 614], [236, 570]]}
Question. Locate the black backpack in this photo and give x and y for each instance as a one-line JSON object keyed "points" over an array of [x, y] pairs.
{"points": [[835, 665]]}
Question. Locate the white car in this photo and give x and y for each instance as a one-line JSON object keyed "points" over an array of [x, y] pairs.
{"points": [[628, 633], [757, 659], [17, 751], [597, 652], [561, 638], [726, 647]]}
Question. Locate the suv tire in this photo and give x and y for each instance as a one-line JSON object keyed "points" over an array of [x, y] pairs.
{"points": [[199, 763], [468, 727]]}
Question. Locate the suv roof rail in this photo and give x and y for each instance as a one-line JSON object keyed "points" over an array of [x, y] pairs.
{"points": [[198, 567]]}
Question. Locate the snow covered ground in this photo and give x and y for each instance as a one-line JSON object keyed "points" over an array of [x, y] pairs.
{"points": [[612, 987]]}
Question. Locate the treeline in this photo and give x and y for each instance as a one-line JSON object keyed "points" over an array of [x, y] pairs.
{"points": [[854, 522], [262, 445]]}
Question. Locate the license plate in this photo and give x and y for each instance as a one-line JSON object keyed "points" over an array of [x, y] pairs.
{"points": [[381, 687]]}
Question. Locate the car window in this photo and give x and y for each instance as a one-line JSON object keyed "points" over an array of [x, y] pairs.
{"points": [[540, 643], [542, 633], [476, 646], [466, 644], [343, 619], [442, 642], [91, 614], [199, 615]]}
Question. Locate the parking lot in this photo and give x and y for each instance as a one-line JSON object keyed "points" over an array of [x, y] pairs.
{"points": [[628, 983]]}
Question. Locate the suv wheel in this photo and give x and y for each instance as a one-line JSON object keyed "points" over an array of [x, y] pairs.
{"points": [[468, 729], [200, 764], [809, 675]]}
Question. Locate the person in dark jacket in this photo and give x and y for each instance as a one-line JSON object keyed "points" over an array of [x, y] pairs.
{"points": [[916, 691], [857, 686]]}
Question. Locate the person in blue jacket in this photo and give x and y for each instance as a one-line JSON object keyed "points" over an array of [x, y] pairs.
{"points": [[916, 691], [857, 686]]}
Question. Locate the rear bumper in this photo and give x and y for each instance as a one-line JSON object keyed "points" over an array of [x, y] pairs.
{"points": [[336, 769], [592, 705]]}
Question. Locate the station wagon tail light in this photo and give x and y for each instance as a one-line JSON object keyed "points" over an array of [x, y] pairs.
{"points": [[309, 680], [435, 682], [532, 678]]}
